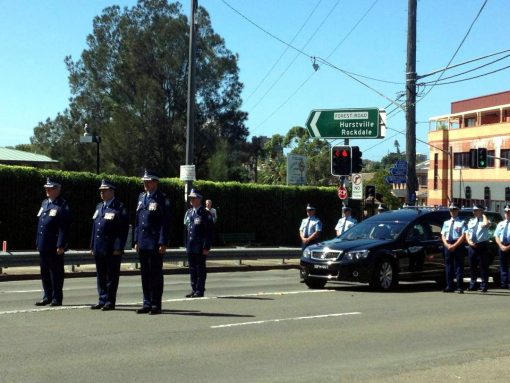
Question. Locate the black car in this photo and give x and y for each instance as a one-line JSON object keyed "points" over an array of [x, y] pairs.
{"points": [[381, 250]]}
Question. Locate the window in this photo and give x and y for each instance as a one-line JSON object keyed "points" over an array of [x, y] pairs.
{"points": [[461, 159], [436, 175], [470, 122], [505, 153], [490, 158]]}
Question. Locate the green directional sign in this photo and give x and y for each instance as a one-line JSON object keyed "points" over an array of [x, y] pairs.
{"points": [[346, 123]]}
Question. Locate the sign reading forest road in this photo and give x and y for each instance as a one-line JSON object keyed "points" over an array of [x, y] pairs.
{"points": [[347, 123]]}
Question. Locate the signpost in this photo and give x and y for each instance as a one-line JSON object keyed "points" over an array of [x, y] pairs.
{"points": [[357, 187], [347, 123], [398, 173], [342, 192], [296, 169]]}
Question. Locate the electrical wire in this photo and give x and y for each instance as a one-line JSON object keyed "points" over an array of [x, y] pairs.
{"points": [[283, 53], [472, 78]]}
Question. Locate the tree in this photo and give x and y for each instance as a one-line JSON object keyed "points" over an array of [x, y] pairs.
{"points": [[130, 86]]}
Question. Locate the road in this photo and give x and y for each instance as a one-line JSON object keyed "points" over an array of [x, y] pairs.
{"points": [[256, 327]]}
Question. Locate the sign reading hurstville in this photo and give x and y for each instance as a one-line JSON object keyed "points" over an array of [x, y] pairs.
{"points": [[347, 123]]}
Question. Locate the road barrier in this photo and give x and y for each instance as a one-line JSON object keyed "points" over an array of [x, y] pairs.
{"points": [[83, 257]]}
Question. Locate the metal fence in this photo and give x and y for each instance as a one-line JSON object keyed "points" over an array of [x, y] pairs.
{"points": [[83, 257]]}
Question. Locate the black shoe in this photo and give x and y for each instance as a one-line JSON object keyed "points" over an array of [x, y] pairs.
{"points": [[459, 291], [143, 310], [43, 302], [55, 303], [108, 307], [97, 307], [483, 290], [190, 295], [448, 291], [155, 311]]}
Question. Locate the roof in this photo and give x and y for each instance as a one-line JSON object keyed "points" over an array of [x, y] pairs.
{"points": [[13, 156]]}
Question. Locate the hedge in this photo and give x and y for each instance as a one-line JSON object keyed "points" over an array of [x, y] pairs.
{"points": [[273, 213]]}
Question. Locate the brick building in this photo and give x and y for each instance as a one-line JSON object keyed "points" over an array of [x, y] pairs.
{"points": [[480, 122]]}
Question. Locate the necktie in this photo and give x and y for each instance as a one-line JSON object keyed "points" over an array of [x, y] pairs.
{"points": [[103, 208], [505, 234], [343, 226], [307, 228], [475, 229], [450, 233]]}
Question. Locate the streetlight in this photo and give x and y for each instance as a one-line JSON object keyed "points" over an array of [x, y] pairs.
{"points": [[89, 138]]}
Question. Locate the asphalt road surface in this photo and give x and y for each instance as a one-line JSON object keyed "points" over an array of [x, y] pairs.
{"points": [[256, 327]]}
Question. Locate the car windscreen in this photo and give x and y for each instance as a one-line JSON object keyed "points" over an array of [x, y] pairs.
{"points": [[385, 230]]}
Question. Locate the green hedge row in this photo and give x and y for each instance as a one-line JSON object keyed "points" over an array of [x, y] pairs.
{"points": [[273, 213]]}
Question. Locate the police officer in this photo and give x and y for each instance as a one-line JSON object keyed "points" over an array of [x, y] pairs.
{"points": [[310, 228], [381, 209], [453, 235], [152, 225], [51, 242], [198, 224], [502, 237], [477, 237], [346, 222], [109, 233]]}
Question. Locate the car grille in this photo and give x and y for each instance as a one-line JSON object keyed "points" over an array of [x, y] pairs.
{"points": [[326, 254]]}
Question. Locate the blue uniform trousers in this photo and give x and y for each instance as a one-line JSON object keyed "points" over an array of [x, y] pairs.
{"points": [[151, 264], [197, 272], [479, 265], [454, 266], [108, 272], [52, 275], [504, 258]]}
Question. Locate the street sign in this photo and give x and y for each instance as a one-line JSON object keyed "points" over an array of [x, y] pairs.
{"points": [[187, 173], [398, 173], [346, 123], [342, 192], [357, 187], [296, 169]]}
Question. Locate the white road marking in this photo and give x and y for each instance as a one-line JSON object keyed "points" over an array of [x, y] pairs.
{"points": [[284, 319], [36, 310]]}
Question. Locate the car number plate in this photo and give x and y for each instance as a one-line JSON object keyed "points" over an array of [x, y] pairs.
{"points": [[324, 267]]}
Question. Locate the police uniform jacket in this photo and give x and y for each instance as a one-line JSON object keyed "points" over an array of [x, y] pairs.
{"points": [[503, 232], [109, 228], [152, 223], [53, 225], [198, 224], [476, 231], [453, 229], [345, 223], [310, 225]]}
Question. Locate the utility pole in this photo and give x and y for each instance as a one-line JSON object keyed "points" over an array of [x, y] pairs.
{"points": [[412, 181], [190, 128]]}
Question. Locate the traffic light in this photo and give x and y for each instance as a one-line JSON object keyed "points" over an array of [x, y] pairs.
{"points": [[357, 162], [370, 191], [473, 158], [482, 158], [341, 160]]}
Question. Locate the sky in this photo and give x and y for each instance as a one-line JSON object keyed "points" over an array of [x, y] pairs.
{"points": [[281, 88]]}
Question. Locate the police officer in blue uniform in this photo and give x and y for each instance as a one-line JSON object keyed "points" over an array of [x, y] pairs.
{"points": [[502, 237], [310, 228], [453, 235], [477, 237], [109, 234], [151, 231], [51, 242], [198, 224]]}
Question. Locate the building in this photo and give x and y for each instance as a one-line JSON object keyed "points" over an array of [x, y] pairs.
{"points": [[480, 122], [18, 157]]}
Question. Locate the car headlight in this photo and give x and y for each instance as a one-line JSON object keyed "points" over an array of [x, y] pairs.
{"points": [[356, 255], [307, 253]]}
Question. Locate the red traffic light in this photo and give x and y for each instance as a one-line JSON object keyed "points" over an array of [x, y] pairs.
{"points": [[341, 153]]}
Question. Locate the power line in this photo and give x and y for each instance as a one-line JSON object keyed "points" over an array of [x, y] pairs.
{"points": [[457, 50], [283, 53], [471, 78]]}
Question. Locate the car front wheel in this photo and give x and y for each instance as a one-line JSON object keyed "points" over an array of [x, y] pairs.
{"points": [[385, 276]]}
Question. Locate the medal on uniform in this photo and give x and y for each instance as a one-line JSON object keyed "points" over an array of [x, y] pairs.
{"points": [[95, 214], [53, 212], [198, 220], [153, 206], [109, 216], [40, 211]]}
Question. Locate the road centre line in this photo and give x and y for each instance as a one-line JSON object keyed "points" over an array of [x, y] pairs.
{"points": [[74, 307], [284, 320]]}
